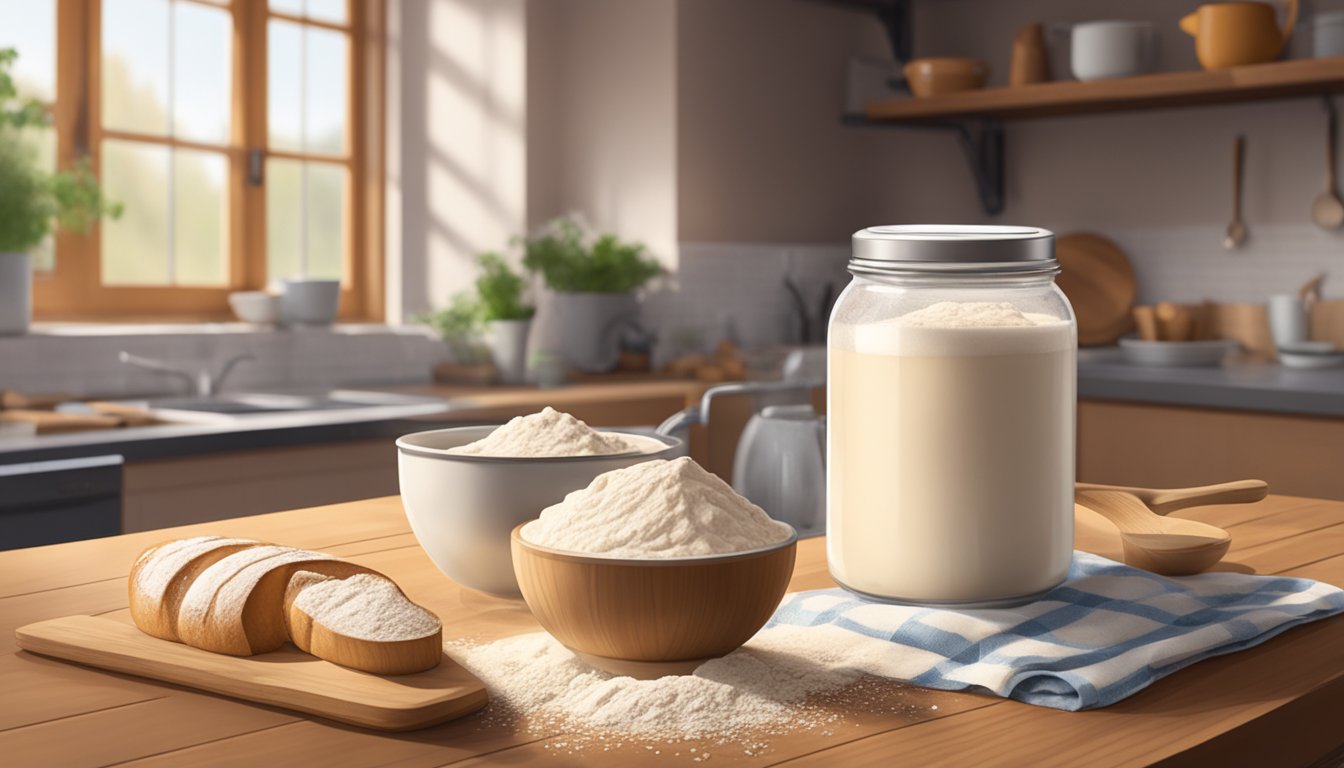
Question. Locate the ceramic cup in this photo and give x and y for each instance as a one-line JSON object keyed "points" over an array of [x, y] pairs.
{"points": [[1105, 49], [1327, 34], [1287, 319]]}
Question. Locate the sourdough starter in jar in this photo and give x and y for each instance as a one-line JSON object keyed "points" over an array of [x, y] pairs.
{"points": [[951, 425]]}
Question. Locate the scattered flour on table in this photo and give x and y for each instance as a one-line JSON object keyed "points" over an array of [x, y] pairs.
{"points": [[974, 314], [364, 606], [785, 680], [552, 433], [655, 509]]}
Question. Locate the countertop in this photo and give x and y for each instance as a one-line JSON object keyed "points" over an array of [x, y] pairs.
{"points": [[1241, 383], [458, 405], [1276, 704]]}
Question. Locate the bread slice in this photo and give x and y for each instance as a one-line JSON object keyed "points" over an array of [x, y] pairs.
{"points": [[162, 573], [363, 621], [236, 605]]}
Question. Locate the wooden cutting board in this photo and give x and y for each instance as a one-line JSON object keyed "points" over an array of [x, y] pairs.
{"points": [[1099, 281], [286, 678]]}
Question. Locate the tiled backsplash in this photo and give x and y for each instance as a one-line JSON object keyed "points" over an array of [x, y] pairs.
{"points": [[83, 360], [721, 290], [737, 289]]}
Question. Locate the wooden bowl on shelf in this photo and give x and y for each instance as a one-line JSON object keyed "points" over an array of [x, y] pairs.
{"points": [[652, 610], [941, 76]]}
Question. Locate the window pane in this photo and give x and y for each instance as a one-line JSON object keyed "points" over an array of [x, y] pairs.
{"points": [[291, 7], [202, 72], [327, 10], [325, 214], [306, 88], [332, 11], [284, 219], [324, 97], [30, 28], [284, 85], [135, 65], [135, 246], [305, 219], [200, 218]]}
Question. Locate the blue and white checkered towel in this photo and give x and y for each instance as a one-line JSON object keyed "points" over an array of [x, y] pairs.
{"points": [[1107, 632]]}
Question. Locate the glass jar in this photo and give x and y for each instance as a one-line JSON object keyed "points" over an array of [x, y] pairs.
{"points": [[951, 398]]}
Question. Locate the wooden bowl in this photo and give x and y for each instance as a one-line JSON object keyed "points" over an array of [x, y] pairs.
{"points": [[941, 76], [673, 609]]}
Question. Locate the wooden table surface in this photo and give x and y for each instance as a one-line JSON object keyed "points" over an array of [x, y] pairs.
{"points": [[1279, 704]]}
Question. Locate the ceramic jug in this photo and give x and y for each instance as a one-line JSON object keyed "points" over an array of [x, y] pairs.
{"points": [[780, 464], [1234, 34]]}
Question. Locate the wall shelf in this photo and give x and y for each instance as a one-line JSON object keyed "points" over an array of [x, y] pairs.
{"points": [[1283, 79]]}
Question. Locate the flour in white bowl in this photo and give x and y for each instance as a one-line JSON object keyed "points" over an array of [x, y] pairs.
{"points": [[551, 433], [656, 509]]}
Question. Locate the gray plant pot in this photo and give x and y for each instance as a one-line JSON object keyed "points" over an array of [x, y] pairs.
{"points": [[508, 347], [16, 291], [584, 328]]}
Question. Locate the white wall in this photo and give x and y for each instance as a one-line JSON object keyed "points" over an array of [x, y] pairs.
{"points": [[602, 116], [457, 152]]}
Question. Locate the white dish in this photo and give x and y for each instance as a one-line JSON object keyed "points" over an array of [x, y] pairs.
{"points": [[463, 509], [256, 307], [1298, 358], [1309, 347], [1176, 354]]}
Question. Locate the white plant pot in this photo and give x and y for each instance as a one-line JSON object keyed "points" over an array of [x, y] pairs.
{"points": [[584, 328], [16, 291], [508, 347]]}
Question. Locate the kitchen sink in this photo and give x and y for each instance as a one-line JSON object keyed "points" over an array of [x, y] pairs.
{"points": [[231, 406]]}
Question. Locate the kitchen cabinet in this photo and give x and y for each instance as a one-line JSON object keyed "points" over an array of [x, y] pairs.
{"points": [[1276, 704], [1174, 446]]}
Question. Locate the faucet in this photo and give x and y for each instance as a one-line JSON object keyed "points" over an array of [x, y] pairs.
{"points": [[201, 380]]}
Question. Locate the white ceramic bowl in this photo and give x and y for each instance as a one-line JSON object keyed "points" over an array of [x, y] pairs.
{"points": [[463, 508], [308, 301], [255, 307], [1176, 354]]}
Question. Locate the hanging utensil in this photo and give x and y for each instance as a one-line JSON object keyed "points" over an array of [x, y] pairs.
{"points": [[1327, 210], [1236, 230]]}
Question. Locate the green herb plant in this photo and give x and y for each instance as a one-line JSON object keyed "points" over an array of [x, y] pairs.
{"points": [[498, 296], [33, 200], [569, 263], [500, 290]]}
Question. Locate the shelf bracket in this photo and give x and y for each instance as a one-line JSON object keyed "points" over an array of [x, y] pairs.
{"points": [[982, 142]]}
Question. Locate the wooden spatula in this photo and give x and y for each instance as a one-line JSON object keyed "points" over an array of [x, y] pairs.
{"points": [[1171, 546], [1164, 501]]}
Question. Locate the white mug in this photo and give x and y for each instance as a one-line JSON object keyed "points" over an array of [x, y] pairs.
{"points": [[1287, 319], [1105, 49]]}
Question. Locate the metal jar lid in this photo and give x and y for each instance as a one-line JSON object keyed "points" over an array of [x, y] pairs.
{"points": [[962, 248]]}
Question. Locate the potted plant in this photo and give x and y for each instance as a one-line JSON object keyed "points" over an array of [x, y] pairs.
{"points": [[507, 318], [499, 308], [592, 279], [33, 201]]}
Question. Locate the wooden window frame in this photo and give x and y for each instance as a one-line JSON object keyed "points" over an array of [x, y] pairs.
{"points": [[74, 289]]}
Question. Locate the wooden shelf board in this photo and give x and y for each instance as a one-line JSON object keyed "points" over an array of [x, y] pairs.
{"points": [[1282, 79]]}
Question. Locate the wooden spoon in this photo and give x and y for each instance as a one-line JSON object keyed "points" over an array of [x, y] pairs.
{"points": [[1236, 230], [1164, 501], [1327, 210], [1171, 546]]}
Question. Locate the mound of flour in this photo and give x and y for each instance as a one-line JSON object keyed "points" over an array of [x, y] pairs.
{"points": [[552, 433], [973, 314], [655, 509]]}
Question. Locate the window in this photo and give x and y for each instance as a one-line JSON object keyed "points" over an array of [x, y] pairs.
{"points": [[241, 136]]}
